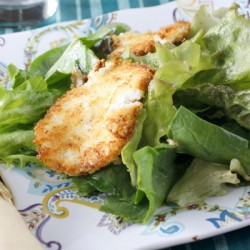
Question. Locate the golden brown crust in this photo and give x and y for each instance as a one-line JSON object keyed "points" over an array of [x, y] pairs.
{"points": [[141, 44], [87, 128]]}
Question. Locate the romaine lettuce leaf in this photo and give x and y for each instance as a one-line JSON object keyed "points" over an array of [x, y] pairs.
{"points": [[17, 148], [19, 108], [22, 142], [24, 80], [178, 65], [132, 145], [200, 181], [207, 141], [226, 85], [205, 19], [103, 31], [76, 56], [113, 179], [156, 176], [235, 104], [42, 64], [228, 45]]}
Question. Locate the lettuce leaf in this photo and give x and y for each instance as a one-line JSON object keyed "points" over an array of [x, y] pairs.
{"points": [[19, 108], [202, 180], [156, 173], [24, 80], [132, 145], [23, 142], [228, 45], [43, 63], [207, 141], [204, 20], [178, 65], [233, 103], [76, 56], [113, 179], [226, 85], [17, 148]]}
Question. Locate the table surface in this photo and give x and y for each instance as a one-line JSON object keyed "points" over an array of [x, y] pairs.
{"points": [[81, 9]]}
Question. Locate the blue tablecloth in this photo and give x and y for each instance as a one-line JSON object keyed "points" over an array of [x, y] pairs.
{"points": [[80, 9]]}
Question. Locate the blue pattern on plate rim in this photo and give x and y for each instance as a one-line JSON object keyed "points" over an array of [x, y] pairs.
{"points": [[115, 224], [223, 218], [2, 41], [41, 180], [35, 219], [244, 7], [4, 77]]}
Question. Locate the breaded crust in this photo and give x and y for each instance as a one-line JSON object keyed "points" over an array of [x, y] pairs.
{"points": [[142, 43], [87, 128]]}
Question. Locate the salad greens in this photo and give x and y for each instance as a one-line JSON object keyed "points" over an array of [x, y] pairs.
{"points": [[214, 177], [192, 136], [31, 92], [186, 129]]}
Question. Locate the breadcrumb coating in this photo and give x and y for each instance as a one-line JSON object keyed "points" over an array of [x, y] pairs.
{"points": [[87, 128], [142, 43]]}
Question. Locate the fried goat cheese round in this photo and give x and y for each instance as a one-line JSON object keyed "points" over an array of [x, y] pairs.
{"points": [[140, 44], [87, 128]]}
